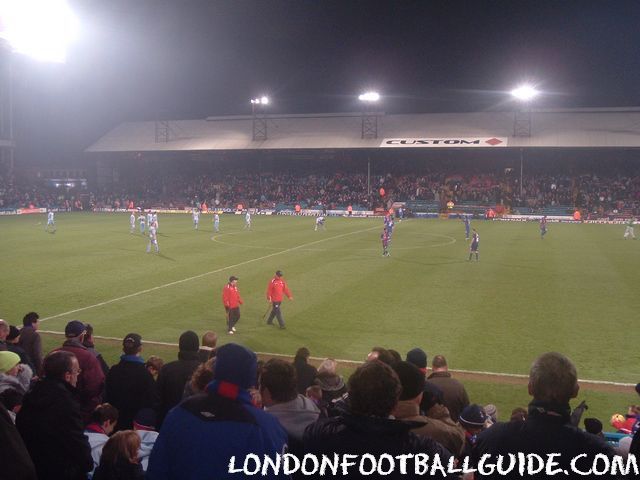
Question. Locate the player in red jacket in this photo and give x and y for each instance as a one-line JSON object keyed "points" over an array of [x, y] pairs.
{"points": [[277, 287], [232, 301]]}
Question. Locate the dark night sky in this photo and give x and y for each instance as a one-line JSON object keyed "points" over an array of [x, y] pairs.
{"points": [[140, 59]]}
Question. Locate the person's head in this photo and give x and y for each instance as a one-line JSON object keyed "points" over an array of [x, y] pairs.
{"points": [[553, 378], [439, 364], [202, 376], [236, 365], [328, 365], [418, 357], [518, 414], [31, 320], [278, 383], [314, 392], [122, 445], [209, 339], [62, 365], [279, 273], [374, 389], [302, 355], [472, 418], [396, 356], [145, 419], [11, 399], [87, 341], [381, 354], [9, 363], [492, 412], [411, 380], [105, 415], [132, 344], [153, 365], [75, 330], [189, 342], [4, 330], [233, 280], [14, 335], [593, 426], [432, 395]]}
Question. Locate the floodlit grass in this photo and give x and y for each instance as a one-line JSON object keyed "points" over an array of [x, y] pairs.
{"points": [[575, 292]]}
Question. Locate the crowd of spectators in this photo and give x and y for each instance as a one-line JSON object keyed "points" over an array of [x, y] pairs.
{"points": [[200, 415]]}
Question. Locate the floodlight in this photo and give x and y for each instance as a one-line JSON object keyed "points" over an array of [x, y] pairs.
{"points": [[41, 29], [264, 100], [369, 97], [525, 93]]}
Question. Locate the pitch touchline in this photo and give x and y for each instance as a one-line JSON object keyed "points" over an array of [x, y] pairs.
{"points": [[170, 284], [341, 360]]}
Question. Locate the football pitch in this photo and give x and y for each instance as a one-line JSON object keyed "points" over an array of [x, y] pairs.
{"points": [[575, 292]]}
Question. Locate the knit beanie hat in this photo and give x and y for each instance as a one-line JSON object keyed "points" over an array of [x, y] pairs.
{"points": [[8, 360], [237, 365], [418, 357], [189, 342], [473, 416]]}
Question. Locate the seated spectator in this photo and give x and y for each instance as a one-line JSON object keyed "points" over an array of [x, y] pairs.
{"points": [[445, 431], [281, 399], [129, 386], [12, 401], [91, 380], [374, 389], [50, 421], [89, 343], [305, 373], [119, 460], [593, 426], [145, 426], [553, 381], [30, 340], [455, 395], [174, 375], [153, 365], [332, 384], [473, 420], [518, 414], [382, 354], [201, 377], [102, 423], [396, 356], [418, 357], [314, 393], [13, 374], [192, 446], [635, 443], [208, 348], [15, 462], [492, 413], [13, 345], [4, 332]]}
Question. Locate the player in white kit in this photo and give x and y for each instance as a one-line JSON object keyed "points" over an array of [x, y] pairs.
{"points": [[196, 218], [50, 222], [247, 220], [154, 219], [153, 239], [216, 222], [320, 223], [132, 223]]}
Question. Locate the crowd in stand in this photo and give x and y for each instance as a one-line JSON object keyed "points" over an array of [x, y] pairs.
{"points": [[67, 415]]}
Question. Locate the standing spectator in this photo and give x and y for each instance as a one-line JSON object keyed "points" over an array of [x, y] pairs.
{"points": [[145, 426], [89, 343], [129, 386], [4, 332], [418, 357], [13, 345], [280, 398], [102, 423], [454, 394], [332, 384], [448, 433], [13, 374], [91, 380], [50, 421], [119, 460], [305, 373], [15, 462], [174, 375], [473, 419], [374, 389], [275, 291], [553, 381], [184, 450], [153, 365], [232, 300], [208, 347], [30, 340]]}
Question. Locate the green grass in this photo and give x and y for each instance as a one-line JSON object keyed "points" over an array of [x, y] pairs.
{"points": [[575, 292]]}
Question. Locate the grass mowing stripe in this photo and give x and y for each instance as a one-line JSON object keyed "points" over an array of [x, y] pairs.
{"points": [[188, 279]]}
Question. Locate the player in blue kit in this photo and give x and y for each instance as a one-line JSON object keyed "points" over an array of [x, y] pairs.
{"points": [[475, 243], [384, 236], [467, 226]]}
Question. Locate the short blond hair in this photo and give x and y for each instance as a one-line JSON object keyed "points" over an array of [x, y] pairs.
{"points": [[328, 365]]}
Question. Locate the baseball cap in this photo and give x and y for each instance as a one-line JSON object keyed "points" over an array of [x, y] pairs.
{"points": [[132, 340], [74, 328], [232, 278], [278, 273]]}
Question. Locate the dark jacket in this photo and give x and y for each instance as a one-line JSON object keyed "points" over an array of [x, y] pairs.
{"points": [[454, 395], [130, 387], [546, 430], [121, 470], [32, 343], [15, 462], [305, 374], [355, 434], [22, 353], [172, 378], [91, 379], [51, 426], [332, 386]]}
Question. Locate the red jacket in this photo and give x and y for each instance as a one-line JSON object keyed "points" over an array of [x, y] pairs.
{"points": [[231, 296], [277, 286]]}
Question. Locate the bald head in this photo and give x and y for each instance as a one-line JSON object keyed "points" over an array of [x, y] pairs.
{"points": [[209, 339], [553, 378]]}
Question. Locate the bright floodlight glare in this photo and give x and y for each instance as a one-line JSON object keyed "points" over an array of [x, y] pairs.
{"points": [[525, 93], [369, 97], [264, 100], [41, 29]]}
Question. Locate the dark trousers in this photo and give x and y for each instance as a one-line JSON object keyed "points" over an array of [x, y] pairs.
{"points": [[275, 312], [233, 315]]}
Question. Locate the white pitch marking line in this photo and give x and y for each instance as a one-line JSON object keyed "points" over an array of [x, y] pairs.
{"points": [[341, 360], [177, 282]]}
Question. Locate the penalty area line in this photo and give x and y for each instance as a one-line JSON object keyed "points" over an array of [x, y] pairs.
{"points": [[195, 277]]}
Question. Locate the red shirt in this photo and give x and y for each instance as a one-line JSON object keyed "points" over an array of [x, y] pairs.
{"points": [[231, 296], [277, 286]]}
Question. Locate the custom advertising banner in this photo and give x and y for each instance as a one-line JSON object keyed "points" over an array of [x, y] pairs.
{"points": [[444, 142]]}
